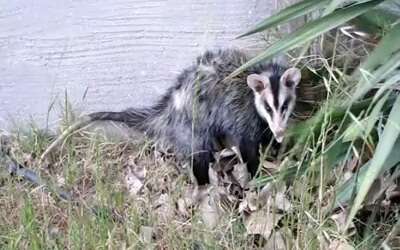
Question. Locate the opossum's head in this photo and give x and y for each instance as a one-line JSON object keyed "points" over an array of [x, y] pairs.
{"points": [[275, 97]]}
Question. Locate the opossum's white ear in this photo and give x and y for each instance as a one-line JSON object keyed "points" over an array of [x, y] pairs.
{"points": [[291, 77], [257, 82]]}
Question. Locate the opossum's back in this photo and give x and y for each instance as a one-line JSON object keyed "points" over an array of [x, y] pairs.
{"points": [[205, 83]]}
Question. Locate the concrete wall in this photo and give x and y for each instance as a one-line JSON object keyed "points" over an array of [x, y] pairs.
{"points": [[108, 54]]}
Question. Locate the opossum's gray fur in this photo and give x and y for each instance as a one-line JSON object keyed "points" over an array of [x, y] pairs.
{"points": [[201, 110]]}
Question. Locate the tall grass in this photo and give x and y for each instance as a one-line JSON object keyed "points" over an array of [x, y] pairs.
{"points": [[348, 126]]}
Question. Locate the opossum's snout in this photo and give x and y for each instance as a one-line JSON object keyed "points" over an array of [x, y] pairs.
{"points": [[278, 134]]}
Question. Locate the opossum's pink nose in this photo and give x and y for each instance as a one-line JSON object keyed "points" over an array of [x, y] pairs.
{"points": [[279, 134]]}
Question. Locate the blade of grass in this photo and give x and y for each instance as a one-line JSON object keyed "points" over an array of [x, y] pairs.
{"points": [[309, 32], [382, 153], [287, 14]]}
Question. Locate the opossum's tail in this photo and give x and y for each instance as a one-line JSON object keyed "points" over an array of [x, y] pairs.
{"points": [[135, 118], [131, 117]]}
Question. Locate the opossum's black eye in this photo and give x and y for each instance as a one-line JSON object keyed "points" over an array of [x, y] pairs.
{"points": [[285, 105], [289, 83], [267, 107]]}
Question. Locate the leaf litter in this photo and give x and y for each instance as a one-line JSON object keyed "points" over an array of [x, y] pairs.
{"points": [[154, 179]]}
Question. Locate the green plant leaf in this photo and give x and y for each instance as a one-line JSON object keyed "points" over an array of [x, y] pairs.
{"points": [[387, 85], [387, 46], [382, 153], [345, 191], [332, 6], [364, 127], [375, 21], [310, 31], [368, 81], [287, 14]]}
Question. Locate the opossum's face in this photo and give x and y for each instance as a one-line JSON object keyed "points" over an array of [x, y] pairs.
{"points": [[275, 98]]}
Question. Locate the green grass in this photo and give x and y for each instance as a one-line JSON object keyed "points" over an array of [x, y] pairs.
{"points": [[94, 168]]}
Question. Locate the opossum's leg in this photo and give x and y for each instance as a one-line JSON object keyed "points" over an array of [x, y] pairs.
{"points": [[201, 162], [250, 154], [202, 156]]}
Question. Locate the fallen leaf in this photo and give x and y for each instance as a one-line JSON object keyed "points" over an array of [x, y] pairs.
{"points": [[270, 165], [280, 201], [226, 152], [213, 177], [209, 209], [238, 154], [183, 207], [340, 245], [164, 208], [133, 183], [146, 234], [340, 220], [276, 242], [134, 177], [241, 174], [261, 222]]}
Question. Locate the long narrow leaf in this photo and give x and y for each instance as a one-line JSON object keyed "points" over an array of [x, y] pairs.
{"points": [[389, 44], [395, 79], [332, 6], [375, 21], [345, 191], [364, 127], [364, 85], [382, 153], [287, 14], [309, 32]]}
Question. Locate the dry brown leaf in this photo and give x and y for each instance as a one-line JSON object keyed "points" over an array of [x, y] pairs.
{"points": [[134, 176], [275, 197], [268, 197], [213, 176], [183, 207], [164, 208], [276, 242], [209, 207], [191, 197], [271, 165], [262, 211], [238, 154], [146, 234], [133, 183], [393, 192], [241, 174], [340, 220], [261, 222], [280, 201], [249, 204], [340, 245], [226, 152], [60, 180]]}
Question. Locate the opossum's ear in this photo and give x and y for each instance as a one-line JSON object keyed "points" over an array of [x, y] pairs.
{"points": [[257, 82], [291, 77]]}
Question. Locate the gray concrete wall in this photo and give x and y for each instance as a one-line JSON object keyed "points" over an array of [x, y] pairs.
{"points": [[108, 54]]}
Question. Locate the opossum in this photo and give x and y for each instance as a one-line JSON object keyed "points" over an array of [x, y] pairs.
{"points": [[206, 107]]}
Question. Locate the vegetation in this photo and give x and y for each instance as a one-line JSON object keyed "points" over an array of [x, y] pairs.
{"points": [[335, 185]]}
